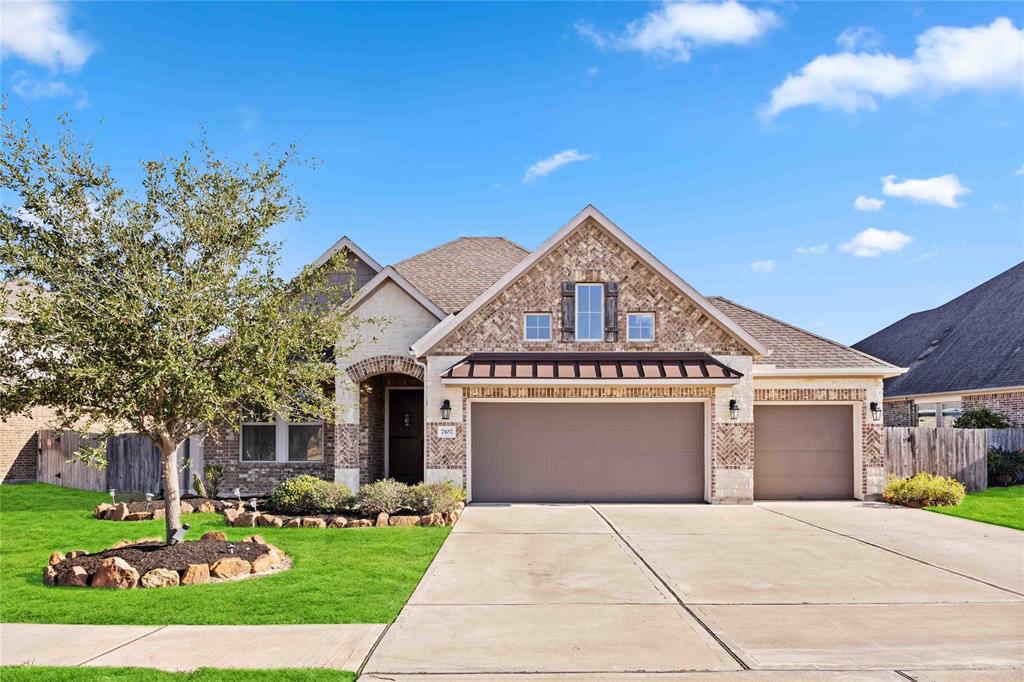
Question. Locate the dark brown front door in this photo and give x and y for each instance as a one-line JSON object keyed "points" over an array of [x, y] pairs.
{"points": [[405, 435]]}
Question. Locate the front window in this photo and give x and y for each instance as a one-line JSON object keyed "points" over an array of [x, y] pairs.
{"points": [[258, 442], [305, 443], [538, 326], [640, 326], [589, 312]]}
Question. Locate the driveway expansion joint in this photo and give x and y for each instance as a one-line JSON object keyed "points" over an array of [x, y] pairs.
{"points": [[122, 645]]}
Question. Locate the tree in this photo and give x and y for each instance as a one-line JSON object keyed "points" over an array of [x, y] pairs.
{"points": [[160, 313], [981, 418]]}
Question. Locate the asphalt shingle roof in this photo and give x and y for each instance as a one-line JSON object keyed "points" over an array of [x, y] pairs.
{"points": [[454, 274], [792, 347], [974, 341]]}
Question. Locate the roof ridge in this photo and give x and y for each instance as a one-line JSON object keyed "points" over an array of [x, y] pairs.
{"points": [[459, 239], [802, 330]]}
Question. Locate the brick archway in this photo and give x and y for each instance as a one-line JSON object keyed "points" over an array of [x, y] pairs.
{"points": [[383, 364]]}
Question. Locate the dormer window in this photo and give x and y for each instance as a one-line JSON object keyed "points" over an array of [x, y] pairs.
{"points": [[589, 312]]}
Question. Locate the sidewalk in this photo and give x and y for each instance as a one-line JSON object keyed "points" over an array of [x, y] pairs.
{"points": [[186, 647]]}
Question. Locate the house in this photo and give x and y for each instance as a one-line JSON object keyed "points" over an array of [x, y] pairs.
{"points": [[584, 370], [965, 354]]}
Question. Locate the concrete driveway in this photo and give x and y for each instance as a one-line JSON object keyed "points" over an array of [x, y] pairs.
{"points": [[829, 591]]}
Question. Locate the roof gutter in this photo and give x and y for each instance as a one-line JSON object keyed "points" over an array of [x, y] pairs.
{"points": [[772, 371]]}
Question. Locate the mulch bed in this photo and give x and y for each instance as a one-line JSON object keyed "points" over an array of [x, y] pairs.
{"points": [[147, 556]]}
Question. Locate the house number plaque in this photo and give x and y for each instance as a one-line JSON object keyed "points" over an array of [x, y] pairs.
{"points": [[446, 431]]}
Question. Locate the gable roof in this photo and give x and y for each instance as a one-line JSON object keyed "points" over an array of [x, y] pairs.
{"points": [[390, 274], [793, 348], [438, 333], [452, 275], [974, 341], [352, 247]]}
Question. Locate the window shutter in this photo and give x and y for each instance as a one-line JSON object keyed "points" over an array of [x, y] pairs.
{"points": [[611, 312], [568, 311]]}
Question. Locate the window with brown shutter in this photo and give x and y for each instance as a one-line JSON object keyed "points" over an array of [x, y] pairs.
{"points": [[611, 312], [568, 311]]}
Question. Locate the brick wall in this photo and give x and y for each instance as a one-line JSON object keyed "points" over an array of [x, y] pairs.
{"points": [[899, 413], [1009, 404], [19, 448]]}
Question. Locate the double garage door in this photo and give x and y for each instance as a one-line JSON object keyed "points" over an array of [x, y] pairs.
{"points": [[649, 452], [587, 452]]}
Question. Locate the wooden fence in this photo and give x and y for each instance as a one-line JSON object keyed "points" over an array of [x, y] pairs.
{"points": [[133, 463], [960, 453]]}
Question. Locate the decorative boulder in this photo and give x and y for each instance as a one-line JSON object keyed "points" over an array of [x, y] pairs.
{"points": [[56, 558], [229, 567], [138, 516], [196, 574], [313, 522], [187, 508], [360, 523], [102, 510], [230, 515], [122, 543], [258, 539], [247, 519], [142, 541], [159, 513], [293, 523], [404, 520], [262, 563], [160, 577], [50, 575], [270, 521], [207, 508], [214, 535], [432, 520], [338, 522], [74, 576], [76, 553], [116, 573], [382, 520], [276, 555], [120, 511], [451, 517]]}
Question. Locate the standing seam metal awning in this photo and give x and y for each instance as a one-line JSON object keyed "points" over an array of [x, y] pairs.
{"points": [[598, 367]]}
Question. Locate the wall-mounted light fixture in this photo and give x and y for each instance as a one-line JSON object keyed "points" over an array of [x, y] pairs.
{"points": [[734, 409], [876, 411], [406, 419], [446, 410]]}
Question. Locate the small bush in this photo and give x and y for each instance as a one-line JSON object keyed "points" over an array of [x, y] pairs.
{"points": [[1005, 467], [435, 498], [197, 483], [214, 476], [981, 418], [387, 495], [924, 490], [310, 495]]}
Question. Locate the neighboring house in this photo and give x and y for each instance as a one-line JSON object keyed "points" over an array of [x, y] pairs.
{"points": [[584, 370], [965, 354]]}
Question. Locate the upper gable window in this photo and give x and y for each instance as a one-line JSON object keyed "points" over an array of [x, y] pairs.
{"points": [[537, 327], [590, 312], [640, 326]]}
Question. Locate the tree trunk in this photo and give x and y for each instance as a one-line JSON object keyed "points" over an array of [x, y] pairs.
{"points": [[172, 496]]}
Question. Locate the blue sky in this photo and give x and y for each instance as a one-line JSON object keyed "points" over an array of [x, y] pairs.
{"points": [[426, 118]]}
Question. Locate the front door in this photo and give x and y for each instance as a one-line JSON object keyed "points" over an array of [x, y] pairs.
{"points": [[405, 435]]}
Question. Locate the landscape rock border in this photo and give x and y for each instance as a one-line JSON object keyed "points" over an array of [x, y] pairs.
{"points": [[146, 511], [257, 519], [116, 573]]}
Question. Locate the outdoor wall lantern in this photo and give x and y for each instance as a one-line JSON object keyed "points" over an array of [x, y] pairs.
{"points": [[876, 411], [406, 419], [446, 410], [734, 409]]}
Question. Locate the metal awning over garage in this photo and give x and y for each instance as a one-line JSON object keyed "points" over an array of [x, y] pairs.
{"points": [[622, 367]]}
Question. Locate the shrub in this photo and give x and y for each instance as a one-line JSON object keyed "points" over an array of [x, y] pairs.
{"points": [[387, 495], [310, 495], [197, 483], [434, 498], [924, 490], [1005, 467], [981, 418], [214, 476]]}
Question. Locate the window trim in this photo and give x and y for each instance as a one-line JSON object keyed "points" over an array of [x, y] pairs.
{"points": [[281, 455], [241, 442], [654, 326], [600, 311], [551, 327]]}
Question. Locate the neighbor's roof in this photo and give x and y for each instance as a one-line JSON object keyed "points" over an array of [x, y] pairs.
{"points": [[454, 274], [792, 347], [12, 291], [974, 341]]}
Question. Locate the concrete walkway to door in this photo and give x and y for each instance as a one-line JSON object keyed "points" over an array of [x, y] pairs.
{"points": [[828, 591]]}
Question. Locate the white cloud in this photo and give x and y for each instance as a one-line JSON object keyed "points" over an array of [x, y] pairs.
{"points": [[947, 59], [872, 242], [863, 203], [816, 250], [999, 207], [38, 32], [30, 88], [593, 71], [859, 37], [942, 190], [1019, 171], [762, 265], [676, 28], [553, 163]]}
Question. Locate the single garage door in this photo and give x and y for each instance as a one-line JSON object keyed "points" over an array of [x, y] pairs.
{"points": [[587, 452], [803, 452]]}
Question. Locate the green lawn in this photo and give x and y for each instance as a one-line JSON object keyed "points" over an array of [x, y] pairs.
{"points": [[999, 506], [358, 575], [31, 673]]}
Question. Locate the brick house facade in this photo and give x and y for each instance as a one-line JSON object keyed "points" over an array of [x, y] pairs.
{"points": [[19, 445]]}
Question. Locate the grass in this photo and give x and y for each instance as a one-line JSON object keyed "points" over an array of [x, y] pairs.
{"points": [[32, 673], [358, 575], [998, 506]]}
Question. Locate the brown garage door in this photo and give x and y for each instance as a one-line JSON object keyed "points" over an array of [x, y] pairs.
{"points": [[803, 452], [587, 452]]}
